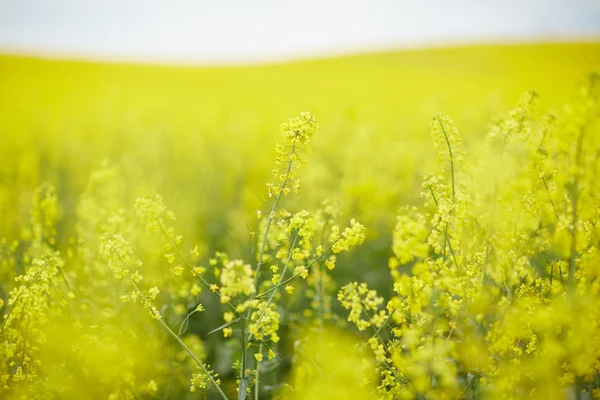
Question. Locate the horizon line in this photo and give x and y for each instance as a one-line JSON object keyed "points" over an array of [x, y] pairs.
{"points": [[290, 57]]}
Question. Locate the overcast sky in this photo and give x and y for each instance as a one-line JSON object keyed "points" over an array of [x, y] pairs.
{"points": [[249, 31]]}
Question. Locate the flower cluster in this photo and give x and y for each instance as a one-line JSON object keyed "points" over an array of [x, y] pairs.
{"points": [[36, 298], [237, 278], [297, 132], [264, 323], [152, 211], [363, 304], [495, 274], [201, 379], [410, 237]]}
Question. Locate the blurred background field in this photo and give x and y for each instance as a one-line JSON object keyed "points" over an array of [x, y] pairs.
{"points": [[204, 136]]}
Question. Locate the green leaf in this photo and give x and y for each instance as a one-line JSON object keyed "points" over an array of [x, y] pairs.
{"points": [[224, 326]]}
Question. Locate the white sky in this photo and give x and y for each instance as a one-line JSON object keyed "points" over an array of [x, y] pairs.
{"points": [[248, 31]]}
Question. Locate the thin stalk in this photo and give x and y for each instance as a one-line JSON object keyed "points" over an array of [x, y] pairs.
{"points": [[574, 212], [158, 317], [451, 156], [449, 334], [550, 197], [320, 284], [432, 352], [446, 238], [243, 365], [64, 278], [178, 339], [287, 263], [445, 241], [384, 324], [270, 217], [465, 390], [319, 287], [261, 254], [540, 147], [256, 386], [453, 187], [578, 388], [377, 331]]}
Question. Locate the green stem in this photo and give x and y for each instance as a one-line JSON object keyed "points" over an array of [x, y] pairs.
{"points": [[384, 324], [270, 218], [449, 151], [574, 212], [378, 330], [243, 366], [320, 283], [578, 388], [550, 197], [446, 236], [256, 387], [319, 288], [261, 254], [287, 263], [178, 339]]}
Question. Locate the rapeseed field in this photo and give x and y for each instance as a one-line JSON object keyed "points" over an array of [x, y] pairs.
{"points": [[412, 225]]}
